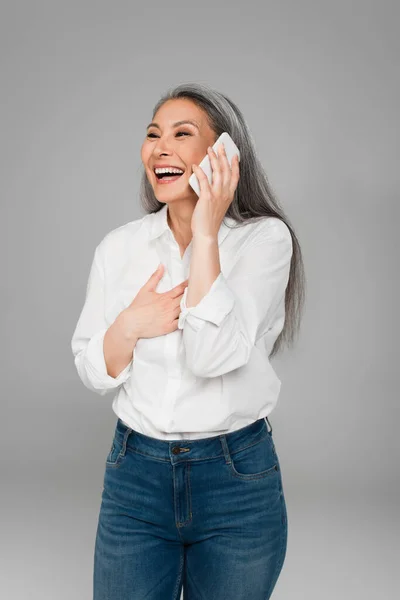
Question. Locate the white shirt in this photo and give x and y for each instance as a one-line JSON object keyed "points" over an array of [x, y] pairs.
{"points": [[212, 375]]}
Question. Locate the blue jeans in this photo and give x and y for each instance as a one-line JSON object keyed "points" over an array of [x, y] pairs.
{"points": [[208, 515]]}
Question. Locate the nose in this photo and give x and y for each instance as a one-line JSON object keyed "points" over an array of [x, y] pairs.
{"points": [[161, 147]]}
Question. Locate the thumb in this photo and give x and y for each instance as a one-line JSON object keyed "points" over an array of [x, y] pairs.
{"points": [[155, 277]]}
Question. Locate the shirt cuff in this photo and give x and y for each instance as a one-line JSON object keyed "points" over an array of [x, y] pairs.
{"points": [[97, 364], [213, 307]]}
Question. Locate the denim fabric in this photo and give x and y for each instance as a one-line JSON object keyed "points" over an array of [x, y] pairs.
{"points": [[206, 515]]}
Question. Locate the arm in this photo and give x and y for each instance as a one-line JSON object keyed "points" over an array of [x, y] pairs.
{"points": [[219, 333], [103, 355], [118, 347]]}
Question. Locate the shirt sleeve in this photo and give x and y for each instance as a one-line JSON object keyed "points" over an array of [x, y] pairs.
{"points": [[88, 337], [219, 333]]}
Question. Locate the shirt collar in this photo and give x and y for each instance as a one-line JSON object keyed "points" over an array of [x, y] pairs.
{"points": [[156, 224]]}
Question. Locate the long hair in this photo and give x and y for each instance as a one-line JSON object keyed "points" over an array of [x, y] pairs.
{"points": [[253, 197]]}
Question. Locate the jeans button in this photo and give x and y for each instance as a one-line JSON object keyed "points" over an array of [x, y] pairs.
{"points": [[176, 450]]}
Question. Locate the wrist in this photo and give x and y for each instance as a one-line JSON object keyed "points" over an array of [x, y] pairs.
{"points": [[127, 329], [205, 238]]}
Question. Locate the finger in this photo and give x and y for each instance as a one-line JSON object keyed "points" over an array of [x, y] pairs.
{"points": [[216, 168], [235, 176], [225, 166], [174, 326], [203, 179], [177, 290], [177, 303], [176, 311], [154, 278]]}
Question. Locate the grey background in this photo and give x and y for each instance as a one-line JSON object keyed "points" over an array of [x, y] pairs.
{"points": [[318, 84]]}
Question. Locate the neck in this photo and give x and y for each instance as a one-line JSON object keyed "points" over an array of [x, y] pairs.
{"points": [[179, 217]]}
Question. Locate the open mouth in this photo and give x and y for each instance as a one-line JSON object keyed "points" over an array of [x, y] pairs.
{"points": [[167, 177]]}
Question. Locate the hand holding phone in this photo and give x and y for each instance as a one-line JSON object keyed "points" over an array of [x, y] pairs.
{"points": [[230, 149]]}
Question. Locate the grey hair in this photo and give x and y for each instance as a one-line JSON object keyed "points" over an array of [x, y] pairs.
{"points": [[253, 198]]}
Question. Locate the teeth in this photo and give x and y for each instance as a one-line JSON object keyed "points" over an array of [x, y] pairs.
{"points": [[168, 170]]}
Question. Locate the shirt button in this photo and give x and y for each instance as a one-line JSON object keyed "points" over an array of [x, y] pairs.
{"points": [[176, 450]]}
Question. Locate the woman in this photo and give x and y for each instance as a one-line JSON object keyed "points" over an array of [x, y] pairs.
{"points": [[193, 494]]}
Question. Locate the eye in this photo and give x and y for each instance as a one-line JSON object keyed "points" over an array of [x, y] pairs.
{"points": [[183, 132]]}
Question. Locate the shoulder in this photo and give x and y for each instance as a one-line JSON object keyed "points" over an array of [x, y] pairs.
{"points": [[270, 230], [276, 228]]}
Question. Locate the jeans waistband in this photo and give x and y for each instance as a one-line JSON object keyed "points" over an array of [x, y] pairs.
{"points": [[191, 450]]}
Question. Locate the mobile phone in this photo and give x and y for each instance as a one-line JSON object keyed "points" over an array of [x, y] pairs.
{"points": [[230, 149]]}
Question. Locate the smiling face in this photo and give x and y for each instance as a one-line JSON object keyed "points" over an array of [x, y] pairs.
{"points": [[176, 145]]}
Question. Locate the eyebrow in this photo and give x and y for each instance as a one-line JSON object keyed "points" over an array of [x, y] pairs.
{"points": [[174, 124]]}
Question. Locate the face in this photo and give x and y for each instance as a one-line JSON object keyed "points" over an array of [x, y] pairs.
{"points": [[167, 144]]}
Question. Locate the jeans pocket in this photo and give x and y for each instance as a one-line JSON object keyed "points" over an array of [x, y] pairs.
{"points": [[256, 461], [115, 455]]}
